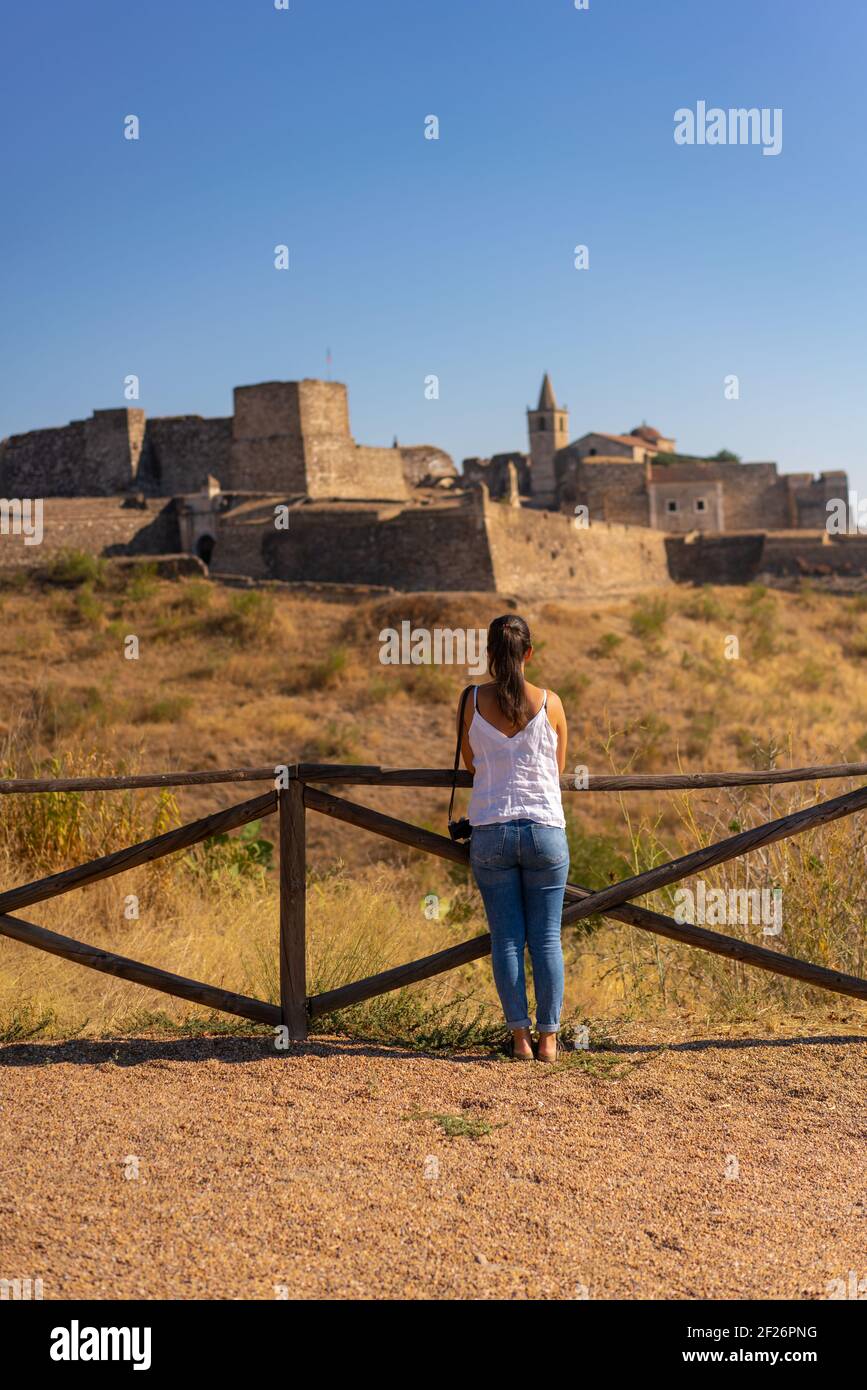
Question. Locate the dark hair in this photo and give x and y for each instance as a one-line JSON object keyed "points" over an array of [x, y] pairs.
{"points": [[508, 644]]}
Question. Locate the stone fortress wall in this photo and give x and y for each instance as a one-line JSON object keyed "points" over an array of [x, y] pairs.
{"points": [[745, 557], [181, 452], [106, 526], [561, 560], [284, 436], [96, 457], [401, 517], [751, 494], [467, 543]]}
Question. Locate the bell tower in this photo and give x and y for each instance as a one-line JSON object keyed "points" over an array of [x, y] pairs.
{"points": [[548, 428]]}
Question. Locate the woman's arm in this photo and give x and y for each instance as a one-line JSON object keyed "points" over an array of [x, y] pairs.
{"points": [[557, 716], [466, 750]]}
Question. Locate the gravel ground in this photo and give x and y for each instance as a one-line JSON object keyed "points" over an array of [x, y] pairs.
{"points": [[707, 1167]]}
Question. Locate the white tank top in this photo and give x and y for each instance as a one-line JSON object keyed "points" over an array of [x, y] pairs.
{"points": [[516, 777]]}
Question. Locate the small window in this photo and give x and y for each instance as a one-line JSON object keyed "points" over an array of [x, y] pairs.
{"points": [[671, 505], [700, 504], [541, 424]]}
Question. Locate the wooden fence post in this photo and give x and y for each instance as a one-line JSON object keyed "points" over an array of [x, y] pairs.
{"points": [[293, 885]]}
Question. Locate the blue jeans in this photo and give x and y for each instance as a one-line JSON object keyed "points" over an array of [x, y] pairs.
{"points": [[521, 870]]}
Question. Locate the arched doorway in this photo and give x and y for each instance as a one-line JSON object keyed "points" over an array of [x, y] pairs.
{"points": [[205, 548]]}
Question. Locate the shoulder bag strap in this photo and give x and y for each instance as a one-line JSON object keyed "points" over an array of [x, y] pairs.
{"points": [[466, 692]]}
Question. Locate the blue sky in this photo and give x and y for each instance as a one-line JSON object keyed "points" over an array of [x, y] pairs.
{"points": [[411, 257]]}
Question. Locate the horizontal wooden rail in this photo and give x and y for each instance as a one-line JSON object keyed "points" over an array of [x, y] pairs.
{"points": [[10, 786], [822, 813], [149, 975], [350, 774], [362, 774], [185, 835]]}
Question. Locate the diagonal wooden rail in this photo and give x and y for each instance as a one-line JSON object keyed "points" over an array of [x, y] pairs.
{"points": [[98, 959], [581, 898], [173, 840], [294, 794]]}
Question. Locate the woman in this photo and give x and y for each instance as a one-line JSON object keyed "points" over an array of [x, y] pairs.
{"points": [[513, 739]]}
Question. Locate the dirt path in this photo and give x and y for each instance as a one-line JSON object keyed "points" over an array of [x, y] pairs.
{"points": [[322, 1171]]}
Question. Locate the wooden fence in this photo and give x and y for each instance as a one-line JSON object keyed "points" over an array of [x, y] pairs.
{"points": [[298, 793]]}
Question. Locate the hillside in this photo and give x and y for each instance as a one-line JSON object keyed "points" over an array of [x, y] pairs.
{"points": [[239, 677]]}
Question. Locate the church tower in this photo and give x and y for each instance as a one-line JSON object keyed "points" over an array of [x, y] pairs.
{"points": [[548, 427]]}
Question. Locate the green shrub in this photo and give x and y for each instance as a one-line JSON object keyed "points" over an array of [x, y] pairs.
{"points": [[701, 729], [232, 858], [325, 674], [333, 744], [195, 596], [170, 626], [376, 691], [13, 580], [74, 567], [169, 709], [571, 689], [250, 618], [54, 830], [607, 644], [533, 664], [60, 711], [595, 861], [811, 675], [650, 731], [428, 683], [755, 594], [456, 1126], [87, 606], [142, 582], [648, 618], [704, 606], [760, 610], [628, 670], [26, 1021]]}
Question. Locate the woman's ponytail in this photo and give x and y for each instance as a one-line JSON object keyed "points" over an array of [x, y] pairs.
{"points": [[508, 644]]}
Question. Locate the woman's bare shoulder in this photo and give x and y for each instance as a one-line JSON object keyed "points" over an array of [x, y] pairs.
{"points": [[555, 704], [483, 687], [465, 699]]}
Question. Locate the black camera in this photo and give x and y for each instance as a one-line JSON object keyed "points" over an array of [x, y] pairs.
{"points": [[460, 829]]}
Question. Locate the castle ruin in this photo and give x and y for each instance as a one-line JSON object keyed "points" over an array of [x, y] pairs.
{"points": [[291, 437], [280, 490], [638, 479]]}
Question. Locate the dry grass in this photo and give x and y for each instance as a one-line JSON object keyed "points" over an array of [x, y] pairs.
{"points": [[238, 664], [228, 678]]}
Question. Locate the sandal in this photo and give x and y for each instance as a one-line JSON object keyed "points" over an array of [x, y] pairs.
{"points": [[557, 1050], [513, 1056]]}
